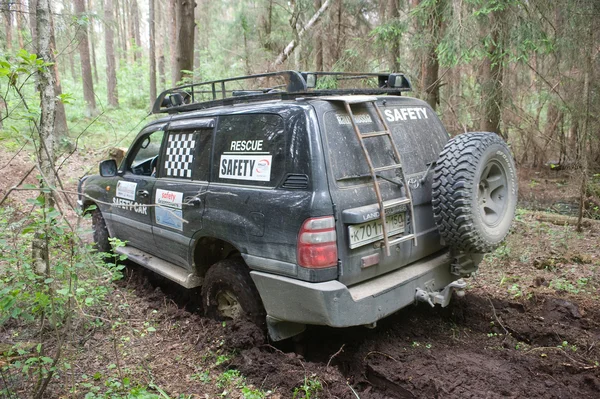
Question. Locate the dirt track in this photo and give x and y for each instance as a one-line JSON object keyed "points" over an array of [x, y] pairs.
{"points": [[478, 347], [425, 353]]}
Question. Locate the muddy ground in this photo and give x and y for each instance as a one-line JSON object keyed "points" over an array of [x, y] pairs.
{"points": [[481, 346], [529, 327], [516, 334]]}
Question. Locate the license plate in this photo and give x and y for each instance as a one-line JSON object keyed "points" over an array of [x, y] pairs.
{"points": [[364, 233]]}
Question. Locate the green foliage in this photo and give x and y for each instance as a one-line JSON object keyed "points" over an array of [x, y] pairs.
{"points": [[75, 282], [202, 376], [566, 346], [388, 32], [252, 393], [309, 389], [21, 67], [563, 284], [115, 388]]}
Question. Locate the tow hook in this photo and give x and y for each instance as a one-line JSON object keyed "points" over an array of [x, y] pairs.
{"points": [[441, 297]]}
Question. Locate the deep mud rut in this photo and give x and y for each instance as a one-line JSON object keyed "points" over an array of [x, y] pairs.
{"points": [[478, 347]]}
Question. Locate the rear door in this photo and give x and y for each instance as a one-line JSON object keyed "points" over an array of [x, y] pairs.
{"points": [[181, 188], [419, 136]]}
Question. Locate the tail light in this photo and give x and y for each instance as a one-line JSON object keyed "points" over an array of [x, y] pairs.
{"points": [[317, 243]]}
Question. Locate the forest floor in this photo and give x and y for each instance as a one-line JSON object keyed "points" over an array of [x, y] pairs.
{"points": [[528, 326]]}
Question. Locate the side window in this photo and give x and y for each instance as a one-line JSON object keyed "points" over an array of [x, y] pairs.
{"points": [[249, 149], [187, 151], [146, 156]]}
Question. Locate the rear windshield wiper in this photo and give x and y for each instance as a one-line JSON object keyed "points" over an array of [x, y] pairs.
{"points": [[429, 166]]}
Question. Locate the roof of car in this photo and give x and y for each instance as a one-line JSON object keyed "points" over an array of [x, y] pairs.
{"points": [[283, 85]]}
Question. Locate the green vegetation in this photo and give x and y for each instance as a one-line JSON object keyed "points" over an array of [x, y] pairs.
{"points": [[513, 67], [309, 389]]}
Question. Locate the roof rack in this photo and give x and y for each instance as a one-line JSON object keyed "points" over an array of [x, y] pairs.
{"points": [[276, 85]]}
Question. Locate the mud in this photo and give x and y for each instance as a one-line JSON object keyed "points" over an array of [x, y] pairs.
{"points": [[478, 347]]}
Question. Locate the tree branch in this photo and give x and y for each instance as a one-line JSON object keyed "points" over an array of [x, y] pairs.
{"points": [[295, 42]]}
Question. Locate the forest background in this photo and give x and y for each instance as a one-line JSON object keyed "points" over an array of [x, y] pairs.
{"points": [[524, 69], [527, 70]]}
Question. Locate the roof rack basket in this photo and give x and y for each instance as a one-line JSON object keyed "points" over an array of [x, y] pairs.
{"points": [[283, 85]]}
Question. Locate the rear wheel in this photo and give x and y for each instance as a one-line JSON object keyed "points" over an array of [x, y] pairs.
{"points": [[101, 235], [474, 192], [228, 293]]}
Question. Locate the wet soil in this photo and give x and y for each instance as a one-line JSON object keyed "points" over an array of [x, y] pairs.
{"points": [[462, 351], [479, 347]]}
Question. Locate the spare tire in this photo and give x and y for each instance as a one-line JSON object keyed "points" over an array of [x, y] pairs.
{"points": [[474, 192]]}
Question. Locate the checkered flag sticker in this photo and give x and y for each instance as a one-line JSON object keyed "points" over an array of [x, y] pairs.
{"points": [[180, 154]]}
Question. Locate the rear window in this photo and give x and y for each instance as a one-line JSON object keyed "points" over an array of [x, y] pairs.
{"points": [[249, 150], [417, 132]]}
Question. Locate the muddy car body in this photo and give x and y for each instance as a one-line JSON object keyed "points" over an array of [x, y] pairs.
{"points": [[269, 203]]}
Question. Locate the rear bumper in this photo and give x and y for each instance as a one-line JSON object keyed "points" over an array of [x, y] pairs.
{"points": [[333, 304]]}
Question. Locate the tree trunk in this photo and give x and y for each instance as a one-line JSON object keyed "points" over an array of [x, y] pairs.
{"points": [[394, 15], [45, 84], [8, 23], [122, 43], [267, 24], [430, 72], [160, 50], [318, 42], [60, 121], [111, 67], [19, 18], [125, 17], [292, 45], [91, 35], [172, 22], [197, 15], [491, 72], [185, 39], [584, 135], [337, 43], [86, 66], [135, 24], [32, 10], [152, 54]]}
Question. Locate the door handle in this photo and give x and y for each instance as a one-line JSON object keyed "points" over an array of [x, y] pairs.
{"points": [[195, 201], [143, 193]]}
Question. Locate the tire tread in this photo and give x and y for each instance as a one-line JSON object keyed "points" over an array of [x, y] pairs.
{"points": [[452, 189]]}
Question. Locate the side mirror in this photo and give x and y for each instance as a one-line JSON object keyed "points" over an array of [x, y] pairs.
{"points": [[108, 168]]}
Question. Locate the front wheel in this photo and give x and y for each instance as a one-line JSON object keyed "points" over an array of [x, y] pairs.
{"points": [[228, 292], [101, 235]]}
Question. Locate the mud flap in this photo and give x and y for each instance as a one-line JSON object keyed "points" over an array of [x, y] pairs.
{"points": [[280, 330], [441, 297]]}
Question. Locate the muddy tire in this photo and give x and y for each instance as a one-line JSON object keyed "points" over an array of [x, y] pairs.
{"points": [[100, 232], [474, 192], [228, 293]]}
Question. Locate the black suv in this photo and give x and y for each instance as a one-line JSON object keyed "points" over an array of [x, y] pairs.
{"points": [[318, 198]]}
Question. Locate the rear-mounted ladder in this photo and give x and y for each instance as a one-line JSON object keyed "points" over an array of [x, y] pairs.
{"points": [[397, 165]]}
